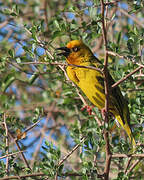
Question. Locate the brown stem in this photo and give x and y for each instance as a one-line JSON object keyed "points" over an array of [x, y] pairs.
{"points": [[128, 163], [126, 155], [7, 145], [106, 135], [134, 165]]}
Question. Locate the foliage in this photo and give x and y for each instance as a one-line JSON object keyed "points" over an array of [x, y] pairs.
{"points": [[42, 125]]}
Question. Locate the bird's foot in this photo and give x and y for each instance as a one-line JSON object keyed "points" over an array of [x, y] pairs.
{"points": [[88, 108], [103, 112]]}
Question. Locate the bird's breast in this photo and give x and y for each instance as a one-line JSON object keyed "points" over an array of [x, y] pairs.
{"points": [[90, 82]]}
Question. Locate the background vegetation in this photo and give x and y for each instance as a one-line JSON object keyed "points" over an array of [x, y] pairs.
{"points": [[44, 132]]}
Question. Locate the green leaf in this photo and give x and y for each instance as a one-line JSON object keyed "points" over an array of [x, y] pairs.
{"points": [[119, 38], [56, 34], [11, 53], [7, 83], [57, 24], [13, 14], [7, 11]]}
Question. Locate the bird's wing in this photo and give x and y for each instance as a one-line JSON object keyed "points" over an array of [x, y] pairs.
{"points": [[116, 98], [119, 101]]}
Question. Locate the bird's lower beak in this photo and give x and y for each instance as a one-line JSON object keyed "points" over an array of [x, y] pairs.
{"points": [[66, 51]]}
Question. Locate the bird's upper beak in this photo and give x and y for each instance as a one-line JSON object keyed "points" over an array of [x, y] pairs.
{"points": [[66, 51]]}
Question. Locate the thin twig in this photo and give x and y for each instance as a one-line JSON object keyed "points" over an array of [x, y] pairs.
{"points": [[124, 57], [134, 165], [7, 145], [128, 163], [126, 155], [23, 176], [31, 127], [28, 129], [12, 154], [71, 152], [127, 76], [21, 152], [61, 64], [42, 174]]}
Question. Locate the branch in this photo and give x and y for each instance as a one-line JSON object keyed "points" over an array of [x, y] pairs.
{"points": [[31, 127], [134, 165], [12, 154], [123, 79], [106, 135], [21, 152], [70, 153], [126, 155], [61, 64], [23, 176], [7, 145], [128, 163], [133, 72], [42, 174], [124, 57]]}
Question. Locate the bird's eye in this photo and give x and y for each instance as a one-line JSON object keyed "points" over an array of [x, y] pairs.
{"points": [[75, 49]]}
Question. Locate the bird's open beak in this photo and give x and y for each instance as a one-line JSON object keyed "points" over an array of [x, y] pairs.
{"points": [[66, 51]]}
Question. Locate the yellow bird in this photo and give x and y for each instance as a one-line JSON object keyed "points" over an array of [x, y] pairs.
{"points": [[91, 82]]}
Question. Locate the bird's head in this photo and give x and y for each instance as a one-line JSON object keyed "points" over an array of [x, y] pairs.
{"points": [[76, 52]]}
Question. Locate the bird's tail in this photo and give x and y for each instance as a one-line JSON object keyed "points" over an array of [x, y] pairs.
{"points": [[128, 130]]}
